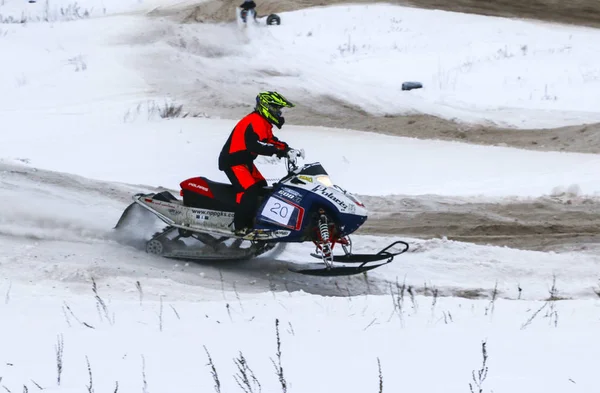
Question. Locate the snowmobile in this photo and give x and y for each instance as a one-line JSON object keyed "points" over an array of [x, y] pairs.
{"points": [[243, 15], [303, 206]]}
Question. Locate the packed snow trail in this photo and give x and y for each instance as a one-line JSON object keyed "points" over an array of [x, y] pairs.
{"points": [[57, 226]]}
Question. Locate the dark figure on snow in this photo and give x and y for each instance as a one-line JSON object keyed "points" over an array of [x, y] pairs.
{"points": [[248, 5], [253, 136], [248, 8]]}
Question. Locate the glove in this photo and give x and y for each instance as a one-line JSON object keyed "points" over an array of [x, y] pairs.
{"points": [[283, 150], [296, 153]]}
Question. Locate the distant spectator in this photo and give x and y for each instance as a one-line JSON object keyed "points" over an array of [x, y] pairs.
{"points": [[248, 5]]}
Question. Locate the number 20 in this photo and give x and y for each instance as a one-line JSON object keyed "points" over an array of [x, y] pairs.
{"points": [[281, 211]]}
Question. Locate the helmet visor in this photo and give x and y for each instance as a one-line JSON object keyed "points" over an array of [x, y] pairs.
{"points": [[275, 110]]}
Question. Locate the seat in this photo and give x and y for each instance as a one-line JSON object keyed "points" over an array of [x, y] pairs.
{"points": [[223, 192], [204, 193]]}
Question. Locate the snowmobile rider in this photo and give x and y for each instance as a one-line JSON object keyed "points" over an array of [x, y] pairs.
{"points": [[252, 136], [246, 7]]}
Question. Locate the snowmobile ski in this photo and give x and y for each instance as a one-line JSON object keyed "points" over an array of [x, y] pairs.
{"points": [[362, 259], [366, 258], [319, 270]]}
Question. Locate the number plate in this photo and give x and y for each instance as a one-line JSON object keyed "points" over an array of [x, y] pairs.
{"points": [[278, 211]]}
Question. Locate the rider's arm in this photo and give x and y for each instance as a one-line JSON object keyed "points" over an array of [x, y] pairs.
{"points": [[279, 144], [255, 145]]}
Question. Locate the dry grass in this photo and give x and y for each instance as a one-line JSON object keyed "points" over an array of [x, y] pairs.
{"points": [[580, 12]]}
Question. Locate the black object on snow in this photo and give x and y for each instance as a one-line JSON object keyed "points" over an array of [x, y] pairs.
{"points": [[411, 85]]}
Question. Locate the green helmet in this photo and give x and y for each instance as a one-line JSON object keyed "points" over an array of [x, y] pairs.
{"points": [[269, 104]]}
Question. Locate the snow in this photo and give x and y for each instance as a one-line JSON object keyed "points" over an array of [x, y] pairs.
{"points": [[71, 240], [145, 347], [36, 11], [491, 70], [78, 85], [80, 134], [514, 73], [164, 153], [160, 346]]}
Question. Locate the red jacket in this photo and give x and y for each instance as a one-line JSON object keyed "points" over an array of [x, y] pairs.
{"points": [[252, 136]]}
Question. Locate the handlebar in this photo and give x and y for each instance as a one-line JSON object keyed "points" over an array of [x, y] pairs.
{"points": [[292, 158]]}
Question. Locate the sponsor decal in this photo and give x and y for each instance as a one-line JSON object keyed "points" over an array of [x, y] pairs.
{"points": [[305, 178], [288, 193], [159, 203], [211, 213], [291, 191], [198, 186], [281, 233], [174, 212], [331, 196], [267, 234]]}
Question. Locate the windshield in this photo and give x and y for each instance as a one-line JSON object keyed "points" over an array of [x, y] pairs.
{"points": [[314, 169]]}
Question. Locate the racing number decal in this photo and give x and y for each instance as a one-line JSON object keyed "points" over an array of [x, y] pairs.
{"points": [[282, 211], [278, 211]]}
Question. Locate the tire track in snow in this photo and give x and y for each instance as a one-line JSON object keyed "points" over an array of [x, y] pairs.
{"points": [[563, 222], [45, 205], [57, 226]]}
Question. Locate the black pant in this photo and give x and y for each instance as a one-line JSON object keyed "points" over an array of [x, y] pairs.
{"points": [[248, 186]]}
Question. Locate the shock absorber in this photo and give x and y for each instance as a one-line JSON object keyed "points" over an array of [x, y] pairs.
{"points": [[324, 232], [324, 228]]}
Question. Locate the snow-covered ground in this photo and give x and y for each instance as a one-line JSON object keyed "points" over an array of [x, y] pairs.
{"points": [[490, 70], [74, 89], [166, 152], [73, 102], [327, 344], [509, 72], [36, 11], [517, 73], [69, 238]]}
